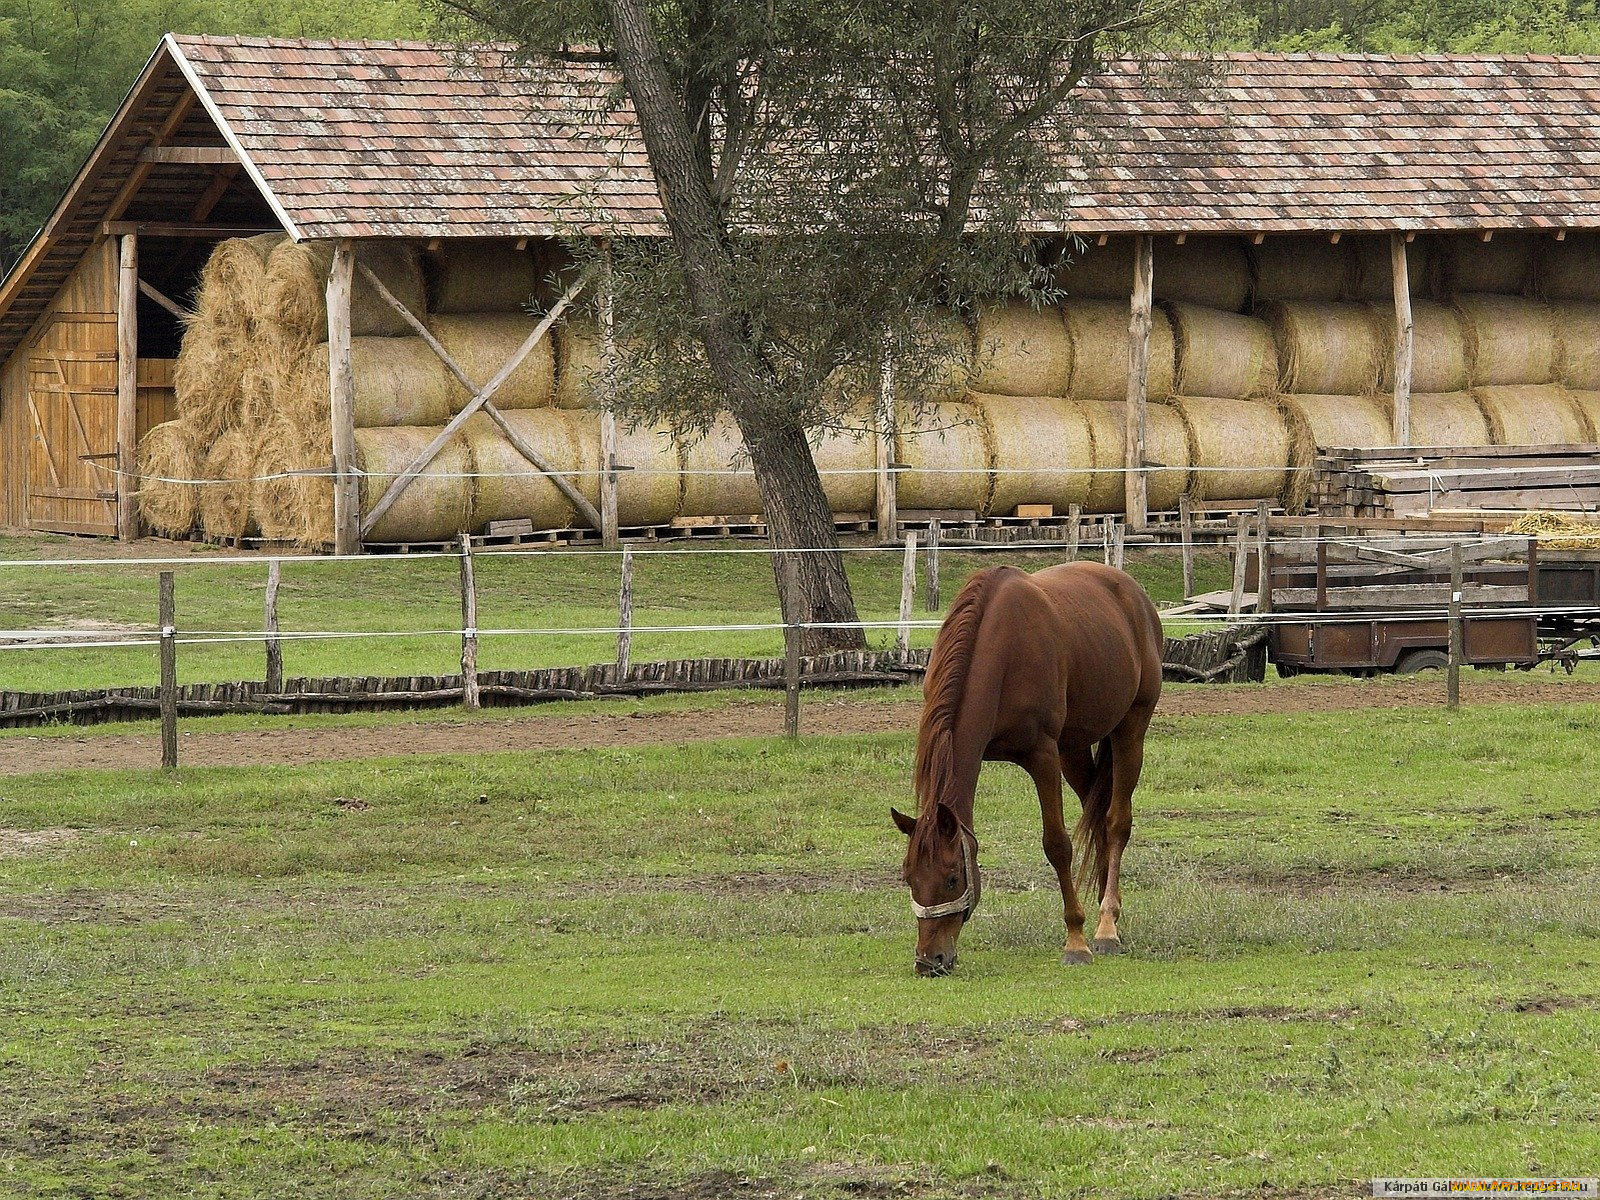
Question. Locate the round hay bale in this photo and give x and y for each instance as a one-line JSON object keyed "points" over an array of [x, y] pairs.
{"points": [[167, 458], [509, 487], [847, 461], [1211, 271], [652, 492], [1240, 448], [293, 495], [1166, 449], [1447, 419], [1098, 331], [1328, 346], [398, 381], [1021, 351], [1532, 415], [1043, 452], [1092, 272], [1502, 265], [1577, 326], [229, 468], [1222, 354], [577, 360], [1588, 404], [1441, 355], [265, 364], [1510, 340], [207, 380], [437, 505], [1318, 422], [717, 478], [1569, 269], [948, 455], [483, 276], [295, 295], [482, 343], [233, 282], [1374, 277], [1303, 268], [950, 348]]}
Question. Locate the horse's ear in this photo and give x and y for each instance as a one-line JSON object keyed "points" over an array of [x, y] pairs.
{"points": [[906, 824], [948, 826]]}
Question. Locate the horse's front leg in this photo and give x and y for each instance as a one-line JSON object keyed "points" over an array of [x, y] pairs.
{"points": [[1044, 765]]}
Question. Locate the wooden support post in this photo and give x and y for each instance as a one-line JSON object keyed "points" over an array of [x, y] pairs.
{"points": [[1186, 532], [791, 649], [1074, 530], [128, 388], [169, 673], [885, 506], [341, 392], [1402, 339], [933, 602], [1119, 540], [1108, 537], [469, 629], [1136, 480], [274, 644], [1263, 558], [609, 538], [625, 617], [908, 585], [1457, 633], [1240, 542]]}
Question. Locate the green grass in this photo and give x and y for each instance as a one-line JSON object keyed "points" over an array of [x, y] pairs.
{"points": [[408, 596], [1358, 946]]}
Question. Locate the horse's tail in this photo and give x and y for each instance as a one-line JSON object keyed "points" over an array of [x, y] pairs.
{"points": [[944, 686], [1091, 834]]}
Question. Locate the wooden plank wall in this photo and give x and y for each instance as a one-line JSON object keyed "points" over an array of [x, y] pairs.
{"points": [[157, 401], [67, 368]]}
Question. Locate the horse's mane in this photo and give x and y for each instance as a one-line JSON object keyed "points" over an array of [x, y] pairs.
{"points": [[943, 688]]}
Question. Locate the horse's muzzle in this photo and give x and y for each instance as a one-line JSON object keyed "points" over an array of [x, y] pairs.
{"points": [[935, 965]]}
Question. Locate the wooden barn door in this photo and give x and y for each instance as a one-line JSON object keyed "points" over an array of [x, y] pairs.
{"points": [[72, 406]]}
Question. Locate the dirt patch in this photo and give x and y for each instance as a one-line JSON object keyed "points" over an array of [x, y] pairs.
{"points": [[15, 843], [820, 717]]}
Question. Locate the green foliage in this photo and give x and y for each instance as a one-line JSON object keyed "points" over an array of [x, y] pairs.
{"points": [[65, 65], [1413, 26]]}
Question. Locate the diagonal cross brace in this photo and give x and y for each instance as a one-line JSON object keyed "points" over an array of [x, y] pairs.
{"points": [[481, 399]]}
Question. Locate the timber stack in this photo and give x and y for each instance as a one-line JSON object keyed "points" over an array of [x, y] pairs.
{"points": [[1422, 482]]}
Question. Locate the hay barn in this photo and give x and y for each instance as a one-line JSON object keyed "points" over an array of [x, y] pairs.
{"points": [[314, 292]]}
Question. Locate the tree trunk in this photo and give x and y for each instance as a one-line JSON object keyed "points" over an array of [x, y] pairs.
{"points": [[798, 516]]}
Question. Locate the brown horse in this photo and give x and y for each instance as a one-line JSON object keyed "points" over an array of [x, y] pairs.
{"points": [[1037, 670]]}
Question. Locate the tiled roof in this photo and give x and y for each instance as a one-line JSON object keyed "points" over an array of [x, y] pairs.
{"points": [[367, 139]]}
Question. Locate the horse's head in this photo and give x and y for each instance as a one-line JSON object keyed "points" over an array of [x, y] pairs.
{"points": [[941, 869]]}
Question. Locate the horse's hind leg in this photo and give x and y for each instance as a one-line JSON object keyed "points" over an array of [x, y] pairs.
{"points": [[1127, 761], [1045, 766]]}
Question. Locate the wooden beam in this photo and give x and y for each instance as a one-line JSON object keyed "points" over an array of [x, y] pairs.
{"points": [[1402, 339], [182, 229], [885, 505], [141, 170], [481, 400], [1135, 483], [215, 191], [518, 442], [189, 155], [162, 298], [609, 537], [128, 388], [341, 393]]}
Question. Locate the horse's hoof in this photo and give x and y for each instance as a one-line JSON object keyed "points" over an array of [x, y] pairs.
{"points": [[1108, 946], [1076, 958]]}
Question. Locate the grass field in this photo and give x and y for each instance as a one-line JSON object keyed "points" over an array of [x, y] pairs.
{"points": [[1361, 943], [681, 586]]}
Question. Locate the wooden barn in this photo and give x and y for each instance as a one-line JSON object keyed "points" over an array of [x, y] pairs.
{"points": [[1326, 250]]}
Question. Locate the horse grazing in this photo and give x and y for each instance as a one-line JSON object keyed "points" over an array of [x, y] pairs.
{"points": [[1036, 670]]}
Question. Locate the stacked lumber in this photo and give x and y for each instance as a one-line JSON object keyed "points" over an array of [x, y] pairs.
{"points": [[1386, 482]]}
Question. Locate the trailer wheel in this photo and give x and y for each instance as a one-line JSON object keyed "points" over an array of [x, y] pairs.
{"points": [[1422, 660]]}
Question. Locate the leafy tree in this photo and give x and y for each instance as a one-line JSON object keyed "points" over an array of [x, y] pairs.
{"points": [[832, 173], [1410, 26]]}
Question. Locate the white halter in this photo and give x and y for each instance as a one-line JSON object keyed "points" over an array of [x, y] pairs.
{"points": [[967, 903]]}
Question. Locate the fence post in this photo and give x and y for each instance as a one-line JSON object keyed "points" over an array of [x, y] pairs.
{"points": [[1119, 541], [1108, 534], [625, 617], [1240, 541], [1074, 520], [908, 585], [932, 600], [791, 648], [1457, 641], [169, 674], [1264, 561], [1186, 532], [274, 646], [469, 628]]}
